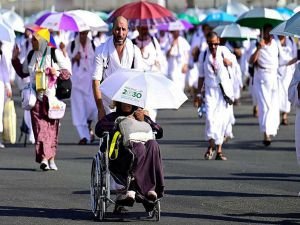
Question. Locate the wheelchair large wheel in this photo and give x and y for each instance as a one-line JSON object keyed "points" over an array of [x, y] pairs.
{"points": [[94, 189]]}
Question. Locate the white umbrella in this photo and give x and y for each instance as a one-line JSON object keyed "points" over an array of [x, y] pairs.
{"points": [[144, 89], [12, 19], [235, 32], [91, 19], [234, 8], [293, 25], [6, 32]]}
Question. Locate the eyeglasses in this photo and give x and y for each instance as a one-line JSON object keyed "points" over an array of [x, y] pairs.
{"points": [[213, 44]]}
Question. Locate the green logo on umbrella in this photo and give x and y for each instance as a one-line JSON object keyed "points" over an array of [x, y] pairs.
{"points": [[131, 93]]}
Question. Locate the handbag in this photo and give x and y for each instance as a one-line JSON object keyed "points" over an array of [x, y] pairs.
{"points": [[28, 97], [57, 108], [9, 122], [63, 88], [134, 130]]}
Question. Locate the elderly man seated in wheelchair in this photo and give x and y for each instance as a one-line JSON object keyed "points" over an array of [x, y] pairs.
{"points": [[136, 155]]}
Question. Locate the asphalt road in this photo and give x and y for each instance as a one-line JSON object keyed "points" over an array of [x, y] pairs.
{"points": [[257, 185]]}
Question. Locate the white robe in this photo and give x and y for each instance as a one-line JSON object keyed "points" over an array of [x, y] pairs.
{"points": [[179, 56], [248, 53], [83, 106], [293, 98], [237, 81], [106, 55], [151, 54], [219, 115], [4, 84], [285, 73], [266, 89]]}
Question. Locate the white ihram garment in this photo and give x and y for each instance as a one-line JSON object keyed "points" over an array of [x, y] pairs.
{"points": [[285, 73], [179, 56], [293, 98], [266, 88], [83, 106], [106, 55], [219, 115], [4, 84]]}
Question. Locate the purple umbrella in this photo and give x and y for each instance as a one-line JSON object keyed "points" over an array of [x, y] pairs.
{"points": [[177, 25], [62, 21]]}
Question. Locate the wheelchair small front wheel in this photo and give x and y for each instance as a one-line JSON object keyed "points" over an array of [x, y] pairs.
{"points": [[157, 210]]}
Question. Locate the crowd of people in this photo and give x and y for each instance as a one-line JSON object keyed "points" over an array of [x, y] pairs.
{"points": [[210, 69]]}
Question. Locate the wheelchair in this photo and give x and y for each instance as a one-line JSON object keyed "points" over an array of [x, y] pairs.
{"points": [[100, 185]]}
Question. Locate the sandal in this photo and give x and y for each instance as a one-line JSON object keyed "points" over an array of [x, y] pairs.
{"points": [[209, 154], [267, 142], [220, 156]]}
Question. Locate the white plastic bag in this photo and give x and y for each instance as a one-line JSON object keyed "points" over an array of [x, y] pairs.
{"points": [[28, 97]]}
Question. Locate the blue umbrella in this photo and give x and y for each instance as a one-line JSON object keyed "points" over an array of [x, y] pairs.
{"points": [[219, 18]]}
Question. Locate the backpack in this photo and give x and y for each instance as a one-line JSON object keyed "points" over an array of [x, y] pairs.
{"points": [[73, 45], [63, 87]]}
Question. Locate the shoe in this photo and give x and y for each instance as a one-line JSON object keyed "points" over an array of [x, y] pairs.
{"points": [[119, 209], [2, 145], [152, 196], [220, 156], [267, 142], [83, 141], [209, 154], [52, 165], [44, 165], [92, 137], [255, 112], [149, 206], [126, 200]]}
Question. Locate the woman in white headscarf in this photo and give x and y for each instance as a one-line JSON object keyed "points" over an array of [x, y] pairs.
{"points": [[45, 129]]}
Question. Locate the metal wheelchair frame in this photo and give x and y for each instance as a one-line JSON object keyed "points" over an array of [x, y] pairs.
{"points": [[100, 185]]}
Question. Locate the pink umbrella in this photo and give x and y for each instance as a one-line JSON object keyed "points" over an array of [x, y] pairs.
{"points": [[62, 21]]}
